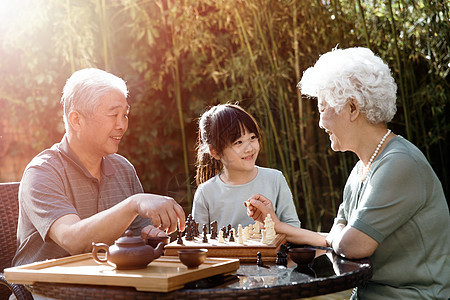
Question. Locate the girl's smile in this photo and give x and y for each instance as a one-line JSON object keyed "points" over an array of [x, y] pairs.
{"points": [[239, 159]]}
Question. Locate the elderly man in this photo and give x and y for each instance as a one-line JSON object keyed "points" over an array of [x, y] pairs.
{"points": [[80, 191]]}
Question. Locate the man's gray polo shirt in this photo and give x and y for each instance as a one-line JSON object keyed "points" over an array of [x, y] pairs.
{"points": [[54, 184]]}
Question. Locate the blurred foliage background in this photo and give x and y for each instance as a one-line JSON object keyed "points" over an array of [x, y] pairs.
{"points": [[179, 57]]}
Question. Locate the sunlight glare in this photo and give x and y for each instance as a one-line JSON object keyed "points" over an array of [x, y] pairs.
{"points": [[17, 13]]}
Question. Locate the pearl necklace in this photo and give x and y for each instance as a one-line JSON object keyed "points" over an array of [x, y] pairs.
{"points": [[365, 169]]}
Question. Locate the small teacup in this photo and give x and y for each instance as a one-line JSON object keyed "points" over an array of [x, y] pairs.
{"points": [[192, 258], [302, 256]]}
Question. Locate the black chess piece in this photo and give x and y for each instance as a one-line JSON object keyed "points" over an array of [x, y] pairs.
{"points": [[197, 232], [213, 227], [228, 229], [281, 259], [283, 250], [231, 236], [259, 261], [205, 230], [224, 230], [179, 239], [188, 231], [214, 234]]}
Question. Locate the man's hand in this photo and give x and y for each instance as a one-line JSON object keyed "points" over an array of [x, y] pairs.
{"points": [[151, 230], [164, 212]]}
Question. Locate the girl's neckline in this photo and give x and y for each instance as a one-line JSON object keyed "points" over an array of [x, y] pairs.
{"points": [[241, 183]]}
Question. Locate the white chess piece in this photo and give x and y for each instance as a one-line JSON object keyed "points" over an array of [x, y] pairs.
{"points": [[245, 234], [249, 230], [241, 235], [221, 239], [256, 228], [263, 236], [269, 226]]}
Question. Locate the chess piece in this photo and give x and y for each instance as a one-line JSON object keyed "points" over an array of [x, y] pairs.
{"points": [[245, 234], [225, 235], [240, 235], [205, 230], [281, 260], [263, 237], [231, 235], [179, 239], [249, 229], [285, 260], [228, 229], [269, 226], [259, 261], [213, 229], [213, 233], [254, 231], [256, 228], [195, 231], [188, 230], [221, 239]]}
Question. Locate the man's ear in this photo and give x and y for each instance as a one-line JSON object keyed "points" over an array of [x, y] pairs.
{"points": [[354, 109], [214, 153], [75, 120]]}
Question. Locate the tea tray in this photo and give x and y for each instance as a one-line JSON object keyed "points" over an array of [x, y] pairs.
{"points": [[164, 274]]}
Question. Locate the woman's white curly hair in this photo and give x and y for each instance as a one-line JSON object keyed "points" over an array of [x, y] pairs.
{"points": [[353, 73]]}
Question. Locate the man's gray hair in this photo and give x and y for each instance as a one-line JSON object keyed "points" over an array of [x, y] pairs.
{"points": [[85, 87]]}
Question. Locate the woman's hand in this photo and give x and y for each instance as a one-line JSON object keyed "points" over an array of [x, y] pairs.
{"points": [[258, 208]]}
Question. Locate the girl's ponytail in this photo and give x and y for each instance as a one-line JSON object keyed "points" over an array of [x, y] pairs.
{"points": [[207, 167]]}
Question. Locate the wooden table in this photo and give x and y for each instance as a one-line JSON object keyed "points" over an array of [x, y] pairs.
{"points": [[328, 273]]}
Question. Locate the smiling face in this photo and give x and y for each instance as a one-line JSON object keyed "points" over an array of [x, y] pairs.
{"points": [[241, 155], [102, 132], [335, 125]]}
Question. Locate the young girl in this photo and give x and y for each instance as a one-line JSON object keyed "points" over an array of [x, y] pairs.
{"points": [[228, 145]]}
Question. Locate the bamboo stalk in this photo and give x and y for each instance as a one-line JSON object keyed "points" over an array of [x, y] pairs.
{"points": [[261, 86], [71, 55], [400, 72], [363, 20], [177, 83], [101, 5]]}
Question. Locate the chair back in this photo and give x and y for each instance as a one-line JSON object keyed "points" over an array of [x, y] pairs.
{"points": [[9, 213]]}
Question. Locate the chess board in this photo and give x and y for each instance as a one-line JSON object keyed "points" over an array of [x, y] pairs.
{"points": [[245, 252]]}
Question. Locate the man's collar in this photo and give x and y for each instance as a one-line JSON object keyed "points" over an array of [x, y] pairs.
{"points": [[64, 147]]}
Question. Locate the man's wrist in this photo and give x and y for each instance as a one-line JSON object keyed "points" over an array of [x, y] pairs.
{"points": [[133, 203]]}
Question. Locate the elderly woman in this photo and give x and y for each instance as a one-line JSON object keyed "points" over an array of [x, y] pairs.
{"points": [[394, 209]]}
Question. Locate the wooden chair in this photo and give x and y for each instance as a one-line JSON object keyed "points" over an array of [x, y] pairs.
{"points": [[9, 213]]}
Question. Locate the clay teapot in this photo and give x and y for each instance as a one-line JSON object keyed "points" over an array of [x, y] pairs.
{"points": [[128, 252]]}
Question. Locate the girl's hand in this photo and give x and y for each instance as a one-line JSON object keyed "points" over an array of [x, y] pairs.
{"points": [[259, 207]]}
